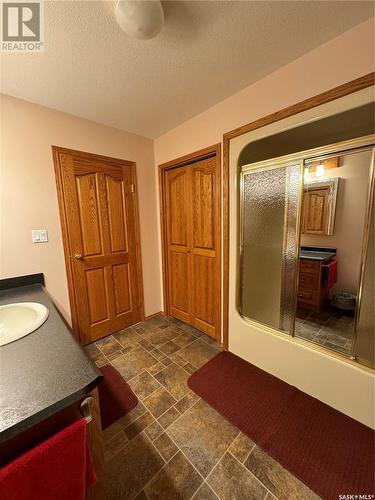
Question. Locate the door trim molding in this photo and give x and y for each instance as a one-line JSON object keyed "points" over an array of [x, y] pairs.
{"points": [[56, 151], [202, 154], [330, 95]]}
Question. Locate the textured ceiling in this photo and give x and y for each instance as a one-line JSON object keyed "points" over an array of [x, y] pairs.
{"points": [[206, 52]]}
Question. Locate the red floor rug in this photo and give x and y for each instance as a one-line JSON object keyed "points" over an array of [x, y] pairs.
{"points": [[327, 450], [116, 398]]}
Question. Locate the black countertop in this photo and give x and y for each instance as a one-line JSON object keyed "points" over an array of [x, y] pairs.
{"points": [[42, 373], [316, 255]]}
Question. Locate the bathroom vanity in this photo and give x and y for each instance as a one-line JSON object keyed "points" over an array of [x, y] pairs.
{"points": [[47, 382], [312, 290]]}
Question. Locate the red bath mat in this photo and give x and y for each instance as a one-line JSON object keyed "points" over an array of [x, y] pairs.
{"points": [[327, 450], [115, 396]]}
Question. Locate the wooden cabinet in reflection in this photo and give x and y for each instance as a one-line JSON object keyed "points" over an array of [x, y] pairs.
{"points": [[316, 211], [319, 206], [312, 294]]}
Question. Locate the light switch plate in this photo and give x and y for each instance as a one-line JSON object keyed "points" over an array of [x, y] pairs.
{"points": [[39, 235]]}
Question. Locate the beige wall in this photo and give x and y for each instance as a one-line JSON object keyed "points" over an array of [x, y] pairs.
{"points": [[28, 193], [344, 386], [354, 174]]}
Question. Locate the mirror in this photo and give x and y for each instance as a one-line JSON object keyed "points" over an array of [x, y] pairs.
{"points": [[331, 256], [305, 260]]}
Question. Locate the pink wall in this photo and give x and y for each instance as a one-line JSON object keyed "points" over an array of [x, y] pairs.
{"points": [[338, 61], [28, 197]]}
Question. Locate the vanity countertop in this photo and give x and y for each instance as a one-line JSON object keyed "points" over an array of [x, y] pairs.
{"points": [[316, 255], [42, 373]]}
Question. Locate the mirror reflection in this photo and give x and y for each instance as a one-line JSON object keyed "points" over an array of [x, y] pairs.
{"points": [[306, 260], [332, 238]]}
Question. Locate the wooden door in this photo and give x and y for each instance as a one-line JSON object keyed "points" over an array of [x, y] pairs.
{"points": [[191, 216], [315, 211], [178, 234], [99, 216]]}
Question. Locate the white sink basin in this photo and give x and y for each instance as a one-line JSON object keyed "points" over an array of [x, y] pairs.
{"points": [[18, 320]]}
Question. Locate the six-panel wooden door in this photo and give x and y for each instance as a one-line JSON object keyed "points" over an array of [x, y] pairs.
{"points": [[100, 222], [192, 243]]}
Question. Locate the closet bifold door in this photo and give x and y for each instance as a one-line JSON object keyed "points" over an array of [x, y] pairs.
{"points": [[205, 238], [178, 242], [192, 240]]}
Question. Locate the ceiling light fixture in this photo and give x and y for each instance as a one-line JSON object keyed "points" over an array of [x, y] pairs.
{"points": [[141, 19]]}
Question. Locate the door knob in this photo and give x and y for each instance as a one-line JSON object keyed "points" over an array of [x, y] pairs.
{"points": [[78, 256]]}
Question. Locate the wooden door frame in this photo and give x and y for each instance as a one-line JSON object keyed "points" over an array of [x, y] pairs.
{"points": [[330, 95], [56, 150], [182, 161]]}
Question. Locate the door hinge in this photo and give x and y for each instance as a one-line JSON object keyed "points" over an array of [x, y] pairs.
{"points": [[132, 188]]}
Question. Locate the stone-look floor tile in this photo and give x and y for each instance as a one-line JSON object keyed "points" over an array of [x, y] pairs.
{"points": [[157, 321], [191, 329], [159, 402], [269, 496], [277, 479], [141, 496], [174, 378], [306, 331], [241, 447], [114, 355], [169, 348], [124, 421], [127, 337], [169, 417], [335, 347], [114, 444], [189, 368], [205, 493], [185, 339], [101, 361], [335, 339], [208, 339], [166, 361], [203, 435], [230, 480], [108, 345], [128, 348], [131, 468], [187, 401], [156, 368], [157, 354], [165, 446], [133, 362], [154, 430], [176, 358], [199, 352], [94, 352], [160, 337], [146, 345], [139, 425], [178, 480], [143, 385]]}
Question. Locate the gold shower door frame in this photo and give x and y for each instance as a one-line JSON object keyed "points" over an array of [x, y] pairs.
{"points": [[324, 152]]}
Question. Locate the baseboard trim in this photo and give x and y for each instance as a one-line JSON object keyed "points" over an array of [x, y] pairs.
{"points": [[155, 315]]}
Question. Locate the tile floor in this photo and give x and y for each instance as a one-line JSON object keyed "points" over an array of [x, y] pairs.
{"points": [[173, 445], [328, 328]]}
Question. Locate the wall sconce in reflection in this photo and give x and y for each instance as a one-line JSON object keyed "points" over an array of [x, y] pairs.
{"points": [[319, 170]]}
